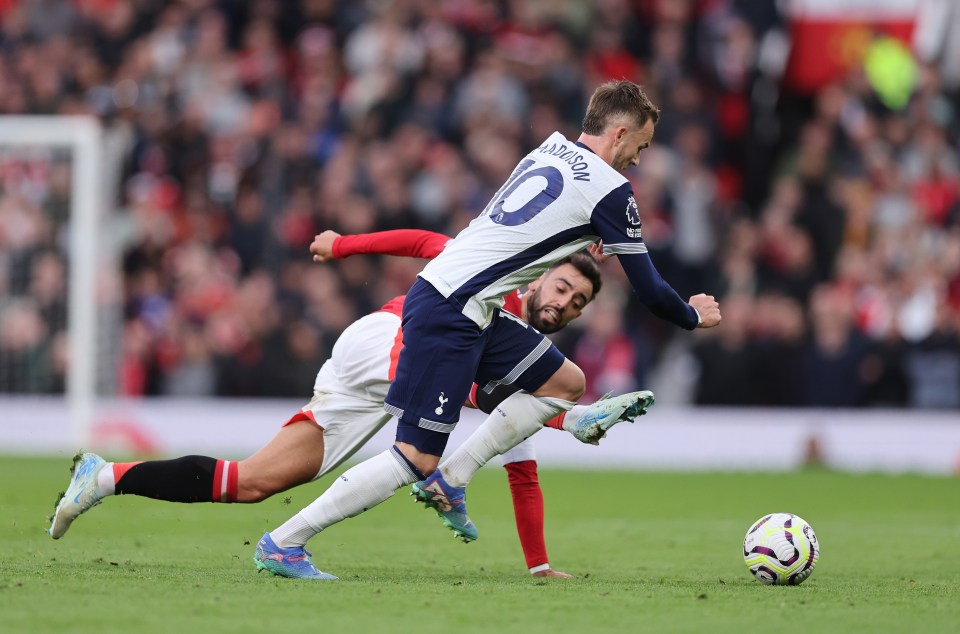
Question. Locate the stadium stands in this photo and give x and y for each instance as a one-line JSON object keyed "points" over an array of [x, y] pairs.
{"points": [[826, 218]]}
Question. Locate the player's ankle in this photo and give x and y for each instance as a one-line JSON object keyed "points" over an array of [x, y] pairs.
{"points": [[106, 482]]}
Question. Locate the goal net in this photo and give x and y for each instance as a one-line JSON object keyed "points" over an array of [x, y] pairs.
{"points": [[53, 321]]}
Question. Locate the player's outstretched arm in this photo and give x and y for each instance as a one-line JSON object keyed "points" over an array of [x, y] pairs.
{"points": [[414, 243], [625, 242], [664, 302]]}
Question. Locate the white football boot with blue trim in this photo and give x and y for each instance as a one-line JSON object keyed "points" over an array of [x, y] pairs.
{"points": [[81, 494], [594, 423]]}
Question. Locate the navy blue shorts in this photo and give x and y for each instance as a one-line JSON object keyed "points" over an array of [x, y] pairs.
{"points": [[444, 353]]}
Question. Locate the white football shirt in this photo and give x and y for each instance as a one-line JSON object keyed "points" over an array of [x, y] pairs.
{"points": [[559, 199]]}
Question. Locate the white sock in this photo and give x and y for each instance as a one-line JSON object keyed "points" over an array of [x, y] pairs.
{"points": [[573, 415], [359, 489], [106, 485], [296, 531], [512, 421]]}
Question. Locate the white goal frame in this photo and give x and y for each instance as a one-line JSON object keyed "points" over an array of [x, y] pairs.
{"points": [[83, 135]]}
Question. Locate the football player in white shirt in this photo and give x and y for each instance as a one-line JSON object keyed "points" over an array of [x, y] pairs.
{"points": [[560, 198]]}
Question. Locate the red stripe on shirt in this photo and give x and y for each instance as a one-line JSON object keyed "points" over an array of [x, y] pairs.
{"points": [[394, 306], [395, 354]]}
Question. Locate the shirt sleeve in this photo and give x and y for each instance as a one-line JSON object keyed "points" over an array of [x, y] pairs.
{"points": [[616, 220], [413, 243]]}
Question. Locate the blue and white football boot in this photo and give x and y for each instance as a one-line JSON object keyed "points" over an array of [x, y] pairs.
{"points": [[594, 423], [449, 502], [81, 494], [293, 563]]}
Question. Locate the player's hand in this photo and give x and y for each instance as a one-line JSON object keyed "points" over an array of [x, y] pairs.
{"points": [[550, 572], [322, 246], [708, 308], [596, 250]]}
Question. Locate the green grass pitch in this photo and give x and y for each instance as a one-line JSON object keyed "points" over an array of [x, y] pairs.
{"points": [[653, 552]]}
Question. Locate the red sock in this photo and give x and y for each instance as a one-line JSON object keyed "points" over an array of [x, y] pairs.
{"points": [[556, 422], [186, 479], [528, 510]]}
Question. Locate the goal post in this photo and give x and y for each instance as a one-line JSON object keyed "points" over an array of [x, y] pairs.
{"points": [[82, 136]]}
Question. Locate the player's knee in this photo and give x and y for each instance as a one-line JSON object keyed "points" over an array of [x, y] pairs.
{"points": [[576, 383], [568, 383], [424, 462]]}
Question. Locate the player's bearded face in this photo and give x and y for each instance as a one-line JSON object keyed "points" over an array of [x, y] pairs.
{"points": [[544, 319], [557, 299]]}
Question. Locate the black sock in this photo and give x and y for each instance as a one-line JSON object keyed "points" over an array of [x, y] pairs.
{"points": [[186, 479]]}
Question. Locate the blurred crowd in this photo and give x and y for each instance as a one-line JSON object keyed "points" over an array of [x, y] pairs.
{"points": [[826, 223]]}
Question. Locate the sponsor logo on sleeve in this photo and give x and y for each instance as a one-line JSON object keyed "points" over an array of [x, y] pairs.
{"points": [[633, 218]]}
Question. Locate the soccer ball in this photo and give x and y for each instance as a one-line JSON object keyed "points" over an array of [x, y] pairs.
{"points": [[781, 549]]}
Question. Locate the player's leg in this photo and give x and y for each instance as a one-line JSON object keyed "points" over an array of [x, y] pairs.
{"points": [[359, 489], [587, 423], [281, 551], [435, 370], [292, 457], [522, 414], [442, 350], [184, 479], [359, 363], [513, 354], [513, 420], [521, 465], [590, 423], [550, 384], [345, 413], [349, 423], [444, 490], [371, 482], [351, 414], [434, 375]]}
